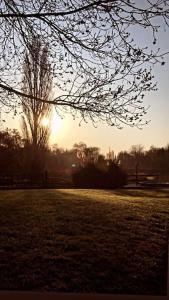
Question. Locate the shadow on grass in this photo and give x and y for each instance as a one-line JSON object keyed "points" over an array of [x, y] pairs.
{"points": [[160, 193], [74, 241]]}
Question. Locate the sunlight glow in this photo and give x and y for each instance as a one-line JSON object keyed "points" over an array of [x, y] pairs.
{"points": [[56, 126], [55, 123], [45, 122]]}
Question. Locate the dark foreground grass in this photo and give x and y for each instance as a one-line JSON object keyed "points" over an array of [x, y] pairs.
{"points": [[88, 241]]}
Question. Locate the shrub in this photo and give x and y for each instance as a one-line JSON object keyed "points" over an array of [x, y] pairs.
{"points": [[88, 177], [92, 177], [116, 176]]}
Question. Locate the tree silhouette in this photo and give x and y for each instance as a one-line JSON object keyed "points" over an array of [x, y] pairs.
{"points": [[100, 72], [80, 149], [137, 154], [37, 82], [86, 155], [11, 145]]}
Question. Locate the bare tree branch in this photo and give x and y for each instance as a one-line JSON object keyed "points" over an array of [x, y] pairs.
{"points": [[56, 14], [98, 70]]}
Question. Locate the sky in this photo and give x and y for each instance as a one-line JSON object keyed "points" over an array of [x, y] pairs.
{"points": [[66, 132]]}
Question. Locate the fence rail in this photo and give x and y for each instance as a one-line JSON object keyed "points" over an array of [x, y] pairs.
{"points": [[49, 182]]}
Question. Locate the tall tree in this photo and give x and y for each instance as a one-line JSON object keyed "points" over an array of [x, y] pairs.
{"points": [[37, 81], [100, 71]]}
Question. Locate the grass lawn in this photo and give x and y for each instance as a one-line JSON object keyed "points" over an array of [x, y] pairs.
{"points": [[92, 241]]}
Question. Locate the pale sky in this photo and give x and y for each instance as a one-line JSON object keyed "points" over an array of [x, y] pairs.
{"points": [[155, 133]]}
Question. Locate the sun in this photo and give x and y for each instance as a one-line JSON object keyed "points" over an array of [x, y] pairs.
{"points": [[55, 125], [45, 122], [57, 128], [54, 122]]}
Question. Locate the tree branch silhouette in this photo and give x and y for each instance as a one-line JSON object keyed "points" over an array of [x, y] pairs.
{"points": [[99, 71]]}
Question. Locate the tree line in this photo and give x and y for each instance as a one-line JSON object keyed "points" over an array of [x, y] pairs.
{"points": [[17, 161], [152, 161]]}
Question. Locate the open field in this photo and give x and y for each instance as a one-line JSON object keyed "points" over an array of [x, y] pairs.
{"points": [[84, 241]]}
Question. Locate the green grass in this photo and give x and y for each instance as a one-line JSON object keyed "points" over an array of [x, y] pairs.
{"points": [[91, 241]]}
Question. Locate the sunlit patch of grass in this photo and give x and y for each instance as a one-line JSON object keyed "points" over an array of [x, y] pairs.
{"points": [[84, 240]]}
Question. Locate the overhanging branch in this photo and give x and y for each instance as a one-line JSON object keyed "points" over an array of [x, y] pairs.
{"points": [[55, 14], [11, 90]]}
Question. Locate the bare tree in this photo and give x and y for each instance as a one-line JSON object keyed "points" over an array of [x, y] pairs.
{"points": [[86, 155], [37, 82], [100, 72], [80, 149], [92, 154]]}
